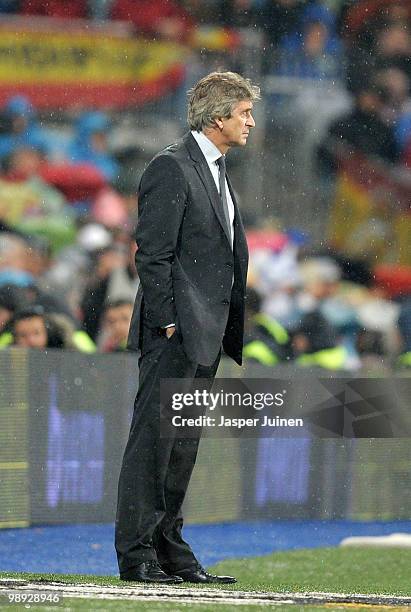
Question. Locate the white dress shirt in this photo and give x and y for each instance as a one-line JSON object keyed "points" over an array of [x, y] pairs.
{"points": [[211, 153]]}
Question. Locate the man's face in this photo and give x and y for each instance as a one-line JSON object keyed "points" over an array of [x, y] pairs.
{"points": [[236, 128], [31, 333], [117, 322]]}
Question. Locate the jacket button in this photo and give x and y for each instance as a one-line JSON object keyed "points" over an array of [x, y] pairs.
{"points": [[225, 302]]}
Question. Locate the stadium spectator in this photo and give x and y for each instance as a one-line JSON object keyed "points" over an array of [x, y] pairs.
{"points": [[393, 48], [67, 9], [324, 293], [32, 327], [374, 32], [363, 130], [313, 51], [115, 325], [315, 344], [65, 334], [13, 256], [395, 88], [265, 340], [239, 13], [164, 17], [97, 292], [12, 299], [320, 278], [110, 209], [404, 328], [279, 18], [40, 256], [370, 347], [21, 129], [29, 328], [9, 6], [99, 9], [90, 144], [28, 203], [17, 270]]}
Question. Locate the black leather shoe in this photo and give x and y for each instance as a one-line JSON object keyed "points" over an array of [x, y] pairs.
{"points": [[150, 571], [198, 575]]}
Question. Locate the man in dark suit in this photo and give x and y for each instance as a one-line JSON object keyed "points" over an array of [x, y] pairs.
{"points": [[192, 262]]}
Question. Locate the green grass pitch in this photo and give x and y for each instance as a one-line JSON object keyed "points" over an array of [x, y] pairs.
{"points": [[379, 571]]}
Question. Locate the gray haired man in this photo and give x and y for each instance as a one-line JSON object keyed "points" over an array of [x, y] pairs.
{"points": [[192, 262]]}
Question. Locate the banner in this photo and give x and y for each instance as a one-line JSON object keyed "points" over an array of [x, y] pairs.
{"points": [[59, 69]]}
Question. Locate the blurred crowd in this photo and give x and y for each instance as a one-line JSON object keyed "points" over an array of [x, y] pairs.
{"points": [[322, 309], [364, 45], [67, 274], [66, 246]]}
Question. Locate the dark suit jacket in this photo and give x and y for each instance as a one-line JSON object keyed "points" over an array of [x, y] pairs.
{"points": [[184, 258]]}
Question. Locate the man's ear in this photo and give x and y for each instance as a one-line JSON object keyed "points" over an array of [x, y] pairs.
{"points": [[219, 123]]}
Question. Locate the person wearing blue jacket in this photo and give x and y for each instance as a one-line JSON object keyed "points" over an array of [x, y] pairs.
{"points": [[90, 144], [23, 130]]}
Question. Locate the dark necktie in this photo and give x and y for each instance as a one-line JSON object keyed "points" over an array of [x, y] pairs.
{"points": [[223, 193]]}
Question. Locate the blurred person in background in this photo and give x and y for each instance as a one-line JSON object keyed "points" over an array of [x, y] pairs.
{"points": [[90, 144], [313, 51], [395, 86], [238, 13], [13, 254], [40, 257], [64, 333], [17, 269], [99, 9], [392, 47], [28, 203], [320, 278], [279, 18], [115, 325], [265, 340], [9, 6], [315, 344], [404, 328], [370, 347], [30, 328], [377, 315], [12, 299], [103, 262], [323, 293], [106, 266], [24, 130], [376, 36], [72, 267], [363, 129]]}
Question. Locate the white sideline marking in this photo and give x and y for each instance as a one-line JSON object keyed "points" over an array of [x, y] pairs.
{"points": [[198, 595]]}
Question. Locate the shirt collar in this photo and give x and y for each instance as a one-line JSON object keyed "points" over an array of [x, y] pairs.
{"points": [[208, 148]]}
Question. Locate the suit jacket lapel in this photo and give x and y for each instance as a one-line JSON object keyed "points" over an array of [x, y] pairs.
{"points": [[203, 171]]}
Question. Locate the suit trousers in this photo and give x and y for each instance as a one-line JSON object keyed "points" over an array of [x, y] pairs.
{"points": [[156, 471]]}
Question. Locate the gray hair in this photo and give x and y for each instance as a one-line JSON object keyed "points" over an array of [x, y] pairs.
{"points": [[215, 95]]}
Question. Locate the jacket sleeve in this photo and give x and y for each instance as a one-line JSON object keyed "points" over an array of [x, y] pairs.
{"points": [[162, 200]]}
